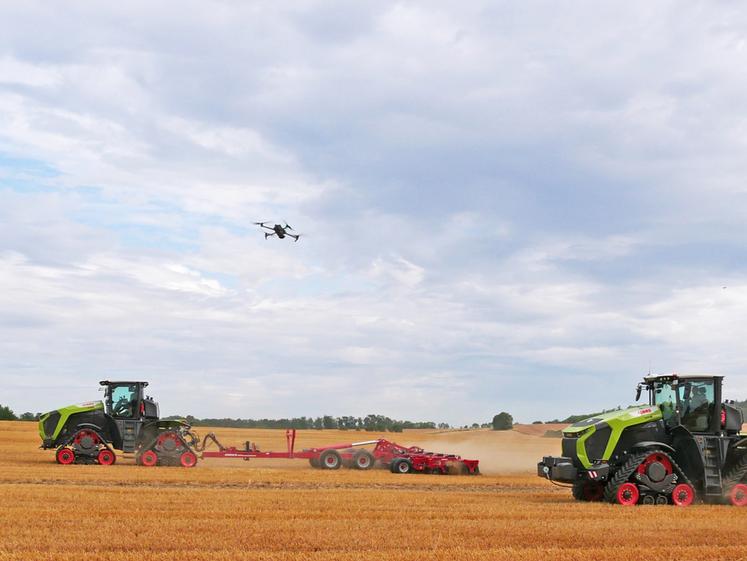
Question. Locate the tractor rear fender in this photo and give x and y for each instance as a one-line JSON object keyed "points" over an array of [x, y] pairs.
{"points": [[653, 445], [741, 443]]}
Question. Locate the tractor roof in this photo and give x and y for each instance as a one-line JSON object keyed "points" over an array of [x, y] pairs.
{"points": [[673, 376], [111, 383]]}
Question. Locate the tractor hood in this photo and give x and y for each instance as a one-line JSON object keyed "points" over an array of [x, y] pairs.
{"points": [[624, 417], [50, 424], [594, 439]]}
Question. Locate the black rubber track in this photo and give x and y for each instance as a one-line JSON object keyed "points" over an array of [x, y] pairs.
{"points": [[736, 474], [622, 475]]}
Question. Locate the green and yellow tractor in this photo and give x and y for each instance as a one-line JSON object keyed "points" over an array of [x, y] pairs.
{"points": [[684, 445], [126, 420]]}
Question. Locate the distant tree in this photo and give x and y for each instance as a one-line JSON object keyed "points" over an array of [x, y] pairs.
{"points": [[503, 421], [396, 427], [6, 413], [28, 416], [443, 426], [329, 422], [475, 425], [537, 422]]}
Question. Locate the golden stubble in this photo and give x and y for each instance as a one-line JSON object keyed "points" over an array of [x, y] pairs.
{"points": [[235, 510]]}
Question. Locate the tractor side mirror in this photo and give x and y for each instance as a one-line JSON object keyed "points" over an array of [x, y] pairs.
{"points": [[638, 392]]}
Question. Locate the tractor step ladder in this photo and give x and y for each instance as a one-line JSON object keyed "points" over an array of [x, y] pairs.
{"points": [[129, 431], [712, 465]]}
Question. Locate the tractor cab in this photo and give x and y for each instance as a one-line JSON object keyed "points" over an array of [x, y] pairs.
{"points": [[130, 408], [693, 402], [127, 400]]}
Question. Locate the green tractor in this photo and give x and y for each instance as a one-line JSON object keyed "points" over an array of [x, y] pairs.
{"points": [[685, 444], [127, 420]]}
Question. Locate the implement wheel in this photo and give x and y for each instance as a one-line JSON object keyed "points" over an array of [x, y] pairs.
{"points": [[330, 459], [65, 456], [738, 495], [315, 463], [363, 459], [401, 466], [106, 457]]}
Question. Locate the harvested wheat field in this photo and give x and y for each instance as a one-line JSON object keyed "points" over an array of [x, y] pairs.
{"points": [[234, 510]]}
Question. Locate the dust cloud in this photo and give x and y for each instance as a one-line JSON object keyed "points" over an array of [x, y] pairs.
{"points": [[499, 452]]}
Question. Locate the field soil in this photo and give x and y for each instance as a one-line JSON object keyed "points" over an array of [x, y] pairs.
{"points": [[235, 510]]}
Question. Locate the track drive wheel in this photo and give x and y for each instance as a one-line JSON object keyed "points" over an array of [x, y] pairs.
{"points": [[683, 495], [330, 459], [363, 459], [148, 458], [188, 459], [738, 495], [106, 457], [588, 491], [65, 456]]}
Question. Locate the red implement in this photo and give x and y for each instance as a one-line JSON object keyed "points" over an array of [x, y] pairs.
{"points": [[385, 454]]}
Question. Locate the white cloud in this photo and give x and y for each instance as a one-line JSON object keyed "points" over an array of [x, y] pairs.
{"points": [[490, 197]]}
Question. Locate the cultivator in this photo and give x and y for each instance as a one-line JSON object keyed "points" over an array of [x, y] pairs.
{"points": [[385, 454], [128, 420]]}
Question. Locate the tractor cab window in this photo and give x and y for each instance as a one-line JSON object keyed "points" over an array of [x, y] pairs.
{"points": [[123, 400], [696, 403], [664, 395]]}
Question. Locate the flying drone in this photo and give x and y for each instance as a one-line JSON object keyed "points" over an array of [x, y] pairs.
{"points": [[278, 230]]}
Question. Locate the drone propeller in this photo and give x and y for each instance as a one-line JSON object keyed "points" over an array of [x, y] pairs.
{"points": [[260, 223], [288, 227]]}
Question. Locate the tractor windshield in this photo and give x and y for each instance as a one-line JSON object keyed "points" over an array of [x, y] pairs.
{"points": [[664, 395], [694, 399]]}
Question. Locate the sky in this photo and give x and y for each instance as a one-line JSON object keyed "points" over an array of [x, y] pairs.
{"points": [[504, 206]]}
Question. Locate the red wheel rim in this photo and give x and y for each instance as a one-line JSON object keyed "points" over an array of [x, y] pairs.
{"points": [[683, 495], [363, 461], [655, 457], [65, 456], [628, 494], [188, 459], [106, 458], [330, 461], [738, 495], [149, 458]]}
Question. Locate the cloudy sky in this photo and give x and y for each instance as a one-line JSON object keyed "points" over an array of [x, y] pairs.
{"points": [[504, 206]]}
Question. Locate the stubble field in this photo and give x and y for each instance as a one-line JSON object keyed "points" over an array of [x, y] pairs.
{"points": [[234, 510]]}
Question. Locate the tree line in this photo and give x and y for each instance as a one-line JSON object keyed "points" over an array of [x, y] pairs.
{"points": [[370, 423], [7, 414]]}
